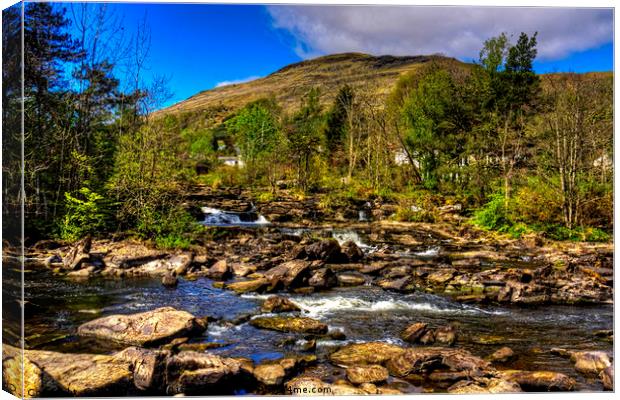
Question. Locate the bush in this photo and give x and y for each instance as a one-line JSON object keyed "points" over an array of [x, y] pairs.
{"points": [[89, 213], [493, 215], [408, 214], [168, 228]]}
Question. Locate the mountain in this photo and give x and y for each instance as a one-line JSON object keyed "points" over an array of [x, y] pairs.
{"points": [[290, 83]]}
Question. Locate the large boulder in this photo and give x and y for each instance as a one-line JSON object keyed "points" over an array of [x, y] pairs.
{"points": [[290, 274], [190, 372], [590, 362], [144, 329], [290, 324], [539, 381], [49, 373], [367, 374], [365, 353], [277, 304]]}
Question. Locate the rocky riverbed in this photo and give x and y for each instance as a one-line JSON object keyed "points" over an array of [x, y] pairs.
{"points": [[330, 305]]}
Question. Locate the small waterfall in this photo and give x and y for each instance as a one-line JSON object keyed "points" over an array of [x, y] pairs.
{"points": [[349, 235], [217, 217]]}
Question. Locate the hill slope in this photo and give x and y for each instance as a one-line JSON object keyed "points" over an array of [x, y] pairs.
{"points": [[328, 73]]}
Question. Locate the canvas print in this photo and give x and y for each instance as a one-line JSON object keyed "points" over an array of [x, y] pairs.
{"points": [[220, 199]]}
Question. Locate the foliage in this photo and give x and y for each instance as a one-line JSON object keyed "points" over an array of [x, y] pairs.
{"points": [[90, 213]]}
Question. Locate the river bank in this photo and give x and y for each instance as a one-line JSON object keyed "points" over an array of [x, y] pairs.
{"points": [[458, 309]]}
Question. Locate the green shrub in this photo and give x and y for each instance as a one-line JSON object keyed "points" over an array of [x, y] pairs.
{"points": [[87, 213], [169, 229], [407, 214], [493, 215]]}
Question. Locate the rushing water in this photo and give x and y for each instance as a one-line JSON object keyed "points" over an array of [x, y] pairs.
{"points": [[57, 306], [217, 217]]}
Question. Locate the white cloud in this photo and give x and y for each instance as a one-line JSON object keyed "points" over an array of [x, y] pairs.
{"points": [[454, 31], [236, 81]]}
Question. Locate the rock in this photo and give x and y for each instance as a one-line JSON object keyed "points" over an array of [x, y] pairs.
{"points": [[270, 374], [83, 273], [344, 389], [441, 276], [49, 373], [445, 335], [365, 353], [169, 280], [607, 377], [502, 355], [323, 278], [255, 285], [289, 274], [307, 386], [148, 367], [190, 372], [327, 250], [539, 381], [240, 269], [367, 374], [144, 329], [180, 263], [484, 385], [414, 332], [428, 337], [369, 388], [422, 360], [277, 304], [290, 324], [352, 252], [351, 279], [590, 362], [219, 271], [79, 253], [399, 285]]}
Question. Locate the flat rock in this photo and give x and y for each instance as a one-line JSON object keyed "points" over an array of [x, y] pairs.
{"points": [[290, 324], [539, 381], [143, 329], [351, 279], [254, 285], [365, 353], [367, 374]]}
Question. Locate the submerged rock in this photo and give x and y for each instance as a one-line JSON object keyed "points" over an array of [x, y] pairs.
{"points": [[277, 304], [290, 324], [365, 353], [539, 381], [367, 374], [144, 329]]}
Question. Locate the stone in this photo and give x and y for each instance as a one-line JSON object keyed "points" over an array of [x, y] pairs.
{"points": [[484, 385], [290, 324], [49, 373], [240, 269], [323, 278], [144, 329], [414, 332], [590, 362], [278, 304], [219, 271], [399, 285], [327, 250], [539, 381], [367, 374], [365, 353], [607, 377], [428, 337], [169, 280], [351, 279], [289, 274], [79, 253], [445, 335], [441, 276], [351, 251], [502, 355], [369, 388], [425, 359], [255, 285], [148, 367], [344, 389], [270, 374], [180, 263], [307, 386], [190, 372]]}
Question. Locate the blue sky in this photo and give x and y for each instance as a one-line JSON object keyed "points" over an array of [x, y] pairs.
{"points": [[199, 46]]}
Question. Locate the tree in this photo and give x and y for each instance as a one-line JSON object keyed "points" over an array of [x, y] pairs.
{"points": [[259, 136], [304, 135], [336, 124]]}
